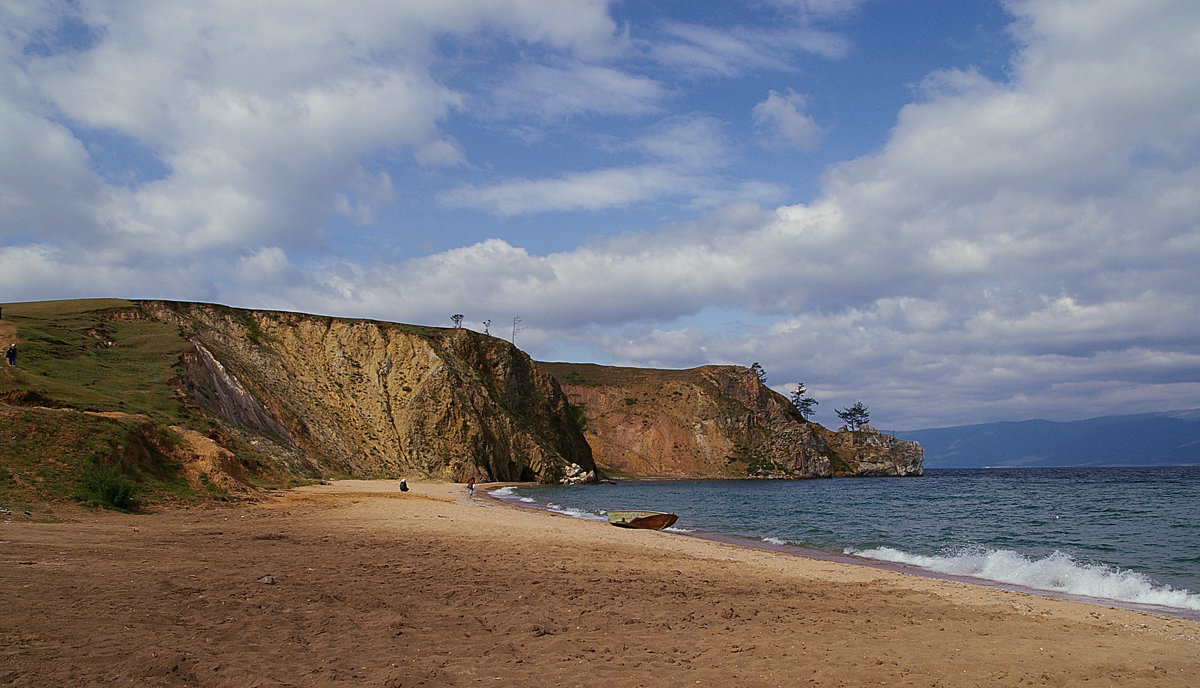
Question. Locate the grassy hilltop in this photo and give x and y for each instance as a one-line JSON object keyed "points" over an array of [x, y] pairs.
{"points": [[92, 413]]}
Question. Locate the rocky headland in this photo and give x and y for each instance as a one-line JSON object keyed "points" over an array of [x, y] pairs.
{"points": [[716, 422]]}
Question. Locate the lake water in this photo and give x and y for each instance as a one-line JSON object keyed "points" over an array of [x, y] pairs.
{"points": [[1128, 535]]}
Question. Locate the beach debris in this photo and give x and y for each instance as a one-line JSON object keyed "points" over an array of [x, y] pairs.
{"points": [[267, 580]]}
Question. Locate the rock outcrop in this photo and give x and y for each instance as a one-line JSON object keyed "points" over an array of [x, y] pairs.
{"points": [[876, 453], [329, 396], [716, 422]]}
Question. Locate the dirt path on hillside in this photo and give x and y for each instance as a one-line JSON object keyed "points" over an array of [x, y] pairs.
{"points": [[8, 334]]}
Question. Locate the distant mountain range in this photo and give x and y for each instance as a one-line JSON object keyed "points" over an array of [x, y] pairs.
{"points": [[1170, 438]]}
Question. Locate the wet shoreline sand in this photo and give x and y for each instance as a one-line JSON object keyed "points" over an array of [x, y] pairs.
{"points": [[356, 583], [854, 560]]}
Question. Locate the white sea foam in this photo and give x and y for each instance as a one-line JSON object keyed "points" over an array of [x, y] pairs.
{"points": [[1057, 572], [509, 494], [577, 513], [774, 541]]}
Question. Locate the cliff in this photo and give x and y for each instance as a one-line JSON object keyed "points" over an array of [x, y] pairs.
{"points": [[716, 422], [374, 399], [187, 401]]}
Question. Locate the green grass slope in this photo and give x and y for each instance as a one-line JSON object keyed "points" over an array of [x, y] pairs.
{"points": [[95, 355], [86, 414]]}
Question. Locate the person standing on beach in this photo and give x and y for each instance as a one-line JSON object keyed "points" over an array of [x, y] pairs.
{"points": [[471, 488]]}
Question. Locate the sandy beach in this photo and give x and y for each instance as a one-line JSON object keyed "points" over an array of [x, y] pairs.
{"points": [[356, 583]]}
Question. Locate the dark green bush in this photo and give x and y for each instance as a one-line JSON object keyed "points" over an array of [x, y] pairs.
{"points": [[103, 486]]}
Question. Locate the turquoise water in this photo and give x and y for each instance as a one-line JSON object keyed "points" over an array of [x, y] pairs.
{"points": [[1123, 534]]}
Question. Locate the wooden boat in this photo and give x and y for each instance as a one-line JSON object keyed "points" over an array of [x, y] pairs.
{"points": [[651, 520]]}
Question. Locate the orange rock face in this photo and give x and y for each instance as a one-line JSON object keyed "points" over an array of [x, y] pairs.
{"points": [[716, 422]]}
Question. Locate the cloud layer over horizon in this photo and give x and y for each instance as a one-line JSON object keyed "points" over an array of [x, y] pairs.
{"points": [[1007, 227]]}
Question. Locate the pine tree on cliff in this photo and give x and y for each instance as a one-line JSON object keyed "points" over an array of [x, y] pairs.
{"points": [[802, 403], [855, 416], [759, 372]]}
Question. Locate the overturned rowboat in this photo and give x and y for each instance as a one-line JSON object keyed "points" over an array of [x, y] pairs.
{"points": [[650, 520]]}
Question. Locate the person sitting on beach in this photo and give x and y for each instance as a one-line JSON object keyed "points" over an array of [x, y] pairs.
{"points": [[404, 484]]}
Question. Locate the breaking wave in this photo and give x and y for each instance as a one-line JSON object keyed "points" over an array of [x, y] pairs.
{"points": [[509, 493], [576, 513], [1058, 572]]}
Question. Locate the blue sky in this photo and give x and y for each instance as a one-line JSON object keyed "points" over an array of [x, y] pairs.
{"points": [[952, 211]]}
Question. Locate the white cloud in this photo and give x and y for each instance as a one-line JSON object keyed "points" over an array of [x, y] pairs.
{"points": [[260, 117], [783, 122], [1012, 251], [653, 347], [369, 192], [819, 8], [729, 51], [692, 142], [41, 160], [267, 269], [721, 52], [594, 190], [686, 151], [1017, 248], [557, 93]]}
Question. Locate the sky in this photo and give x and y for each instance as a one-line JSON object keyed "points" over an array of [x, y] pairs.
{"points": [[953, 211]]}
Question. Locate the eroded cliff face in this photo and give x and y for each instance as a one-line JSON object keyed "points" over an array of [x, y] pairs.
{"points": [[716, 422], [327, 396], [371, 399]]}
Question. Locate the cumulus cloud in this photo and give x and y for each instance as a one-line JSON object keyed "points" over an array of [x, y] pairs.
{"points": [[782, 122], [260, 118], [1008, 245], [1017, 248]]}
